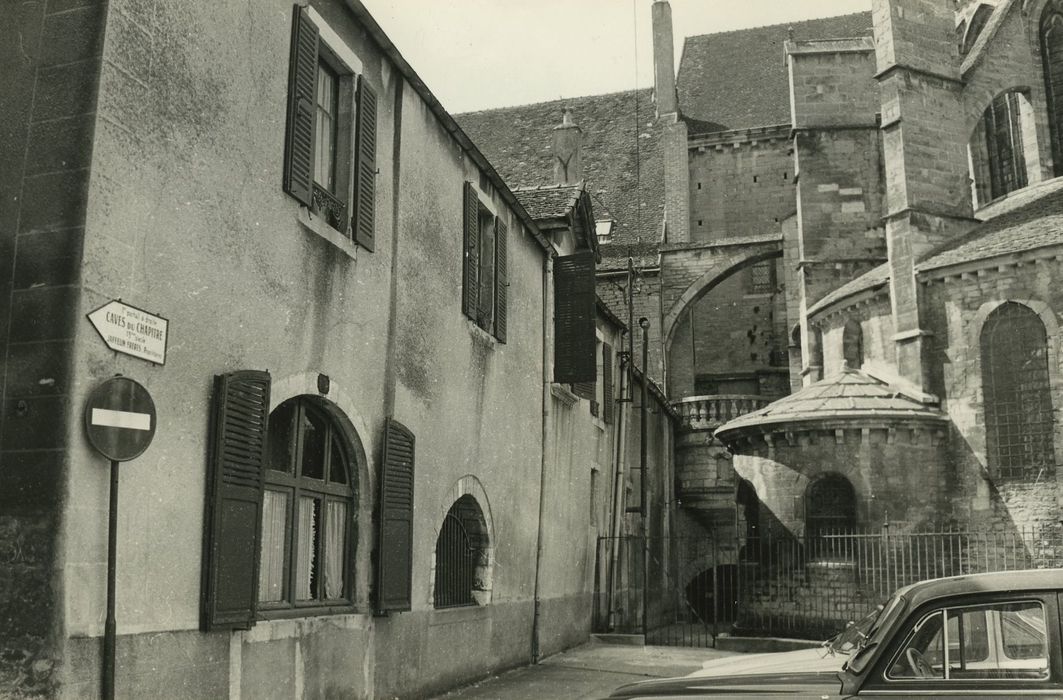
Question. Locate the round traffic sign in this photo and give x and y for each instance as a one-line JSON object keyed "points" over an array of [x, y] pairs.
{"points": [[120, 419]]}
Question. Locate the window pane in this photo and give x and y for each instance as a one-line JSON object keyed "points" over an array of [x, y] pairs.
{"points": [[335, 546], [923, 656], [1023, 632], [271, 567], [281, 442], [306, 548], [337, 462], [314, 430], [325, 149]]}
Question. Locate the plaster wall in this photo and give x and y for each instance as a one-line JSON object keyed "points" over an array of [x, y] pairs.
{"points": [[186, 218]]}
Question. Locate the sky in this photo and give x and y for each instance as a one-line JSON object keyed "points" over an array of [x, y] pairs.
{"points": [[480, 54]]}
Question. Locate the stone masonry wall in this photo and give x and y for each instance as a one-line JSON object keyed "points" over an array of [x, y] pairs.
{"points": [[740, 188], [49, 69], [955, 308]]}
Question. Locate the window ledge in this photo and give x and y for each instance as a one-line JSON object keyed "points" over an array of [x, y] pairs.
{"points": [[456, 615], [318, 225]]}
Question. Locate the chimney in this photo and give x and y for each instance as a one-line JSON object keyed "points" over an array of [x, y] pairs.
{"points": [[567, 139], [663, 59]]}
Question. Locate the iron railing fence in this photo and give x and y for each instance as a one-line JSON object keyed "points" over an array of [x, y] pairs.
{"points": [[776, 583]]}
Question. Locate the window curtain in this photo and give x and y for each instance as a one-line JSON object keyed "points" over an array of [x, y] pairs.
{"points": [[271, 569], [335, 536]]}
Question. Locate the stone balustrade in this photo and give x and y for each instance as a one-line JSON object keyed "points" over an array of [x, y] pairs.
{"points": [[709, 412]]}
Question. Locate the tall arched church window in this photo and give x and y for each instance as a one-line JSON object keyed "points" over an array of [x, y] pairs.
{"points": [[1052, 54], [306, 509], [1002, 125], [853, 345], [1017, 394]]}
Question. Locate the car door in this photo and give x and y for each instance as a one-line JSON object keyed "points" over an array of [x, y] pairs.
{"points": [[984, 646]]}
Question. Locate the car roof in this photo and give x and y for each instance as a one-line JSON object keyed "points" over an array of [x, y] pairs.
{"points": [[1002, 581]]}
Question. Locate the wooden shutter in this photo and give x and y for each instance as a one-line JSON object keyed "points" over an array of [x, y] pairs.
{"points": [[584, 390], [470, 285], [234, 499], [574, 341], [302, 82], [365, 167], [501, 278], [394, 581], [607, 383]]}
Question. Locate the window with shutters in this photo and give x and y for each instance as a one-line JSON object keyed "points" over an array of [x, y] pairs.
{"points": [[485, 266], [330, 147], [1052, 56], [1017, 394], [462, 556], [307, 508]]}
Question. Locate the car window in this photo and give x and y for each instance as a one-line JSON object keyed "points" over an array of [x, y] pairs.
{"points": [[979, 642]]}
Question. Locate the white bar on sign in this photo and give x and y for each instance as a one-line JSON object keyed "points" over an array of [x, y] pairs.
{"points": [[121, 419]]}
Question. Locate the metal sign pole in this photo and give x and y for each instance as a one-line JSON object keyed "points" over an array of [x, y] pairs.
{"points": [[112, 561]]}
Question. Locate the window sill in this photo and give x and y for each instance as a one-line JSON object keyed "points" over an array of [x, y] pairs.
{"points": [[456, 615], [268, 614], [479, 331], [561, 392], [317, 224]]}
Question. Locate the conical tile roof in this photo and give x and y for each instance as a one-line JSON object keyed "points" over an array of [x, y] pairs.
{"points": [[849, 395]]}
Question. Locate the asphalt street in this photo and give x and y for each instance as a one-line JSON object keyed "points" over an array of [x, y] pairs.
{"points": [[587, 672]]}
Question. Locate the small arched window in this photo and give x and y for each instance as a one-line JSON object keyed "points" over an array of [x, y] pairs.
{"points": [[1052, 55], [853, 345], [830, 506], [815, 349], [306, 509], [462, 555], [1017, 394]]}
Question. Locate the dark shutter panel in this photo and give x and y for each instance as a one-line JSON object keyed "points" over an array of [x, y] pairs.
{"points": [[302, 81], [470, 284], [574, 341], [584, 390], [607, 383], [365, 167], [234, 499], [394, 581], [501, 278]]}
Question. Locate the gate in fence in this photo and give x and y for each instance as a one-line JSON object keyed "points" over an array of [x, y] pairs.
{"points": [[778, 584]]}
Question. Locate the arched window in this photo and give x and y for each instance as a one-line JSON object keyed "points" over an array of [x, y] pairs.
{"points": [[815, 349], [462, 554], [969, 33], [998, 151], [1052, 54], [306, 509], [1016, 393], [853, 345], [830, 506]]}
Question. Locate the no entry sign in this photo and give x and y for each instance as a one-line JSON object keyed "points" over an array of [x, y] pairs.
{"points": [[120, 419]]}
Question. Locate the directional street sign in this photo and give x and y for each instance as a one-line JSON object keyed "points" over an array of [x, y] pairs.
{"points": [[132, 331], [120, 419]]}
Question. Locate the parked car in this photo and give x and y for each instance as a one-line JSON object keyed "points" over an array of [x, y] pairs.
{"points": [[982, 635]]}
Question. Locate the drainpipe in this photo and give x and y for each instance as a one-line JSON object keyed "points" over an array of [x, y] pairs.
{"points": [[644, 324], [547, 447], [618, 486]]}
